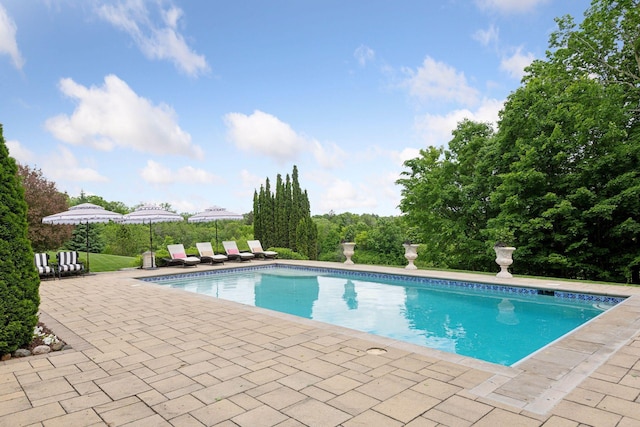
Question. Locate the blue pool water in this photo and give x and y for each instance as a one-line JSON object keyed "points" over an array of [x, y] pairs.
{"points": [[494, 323]]}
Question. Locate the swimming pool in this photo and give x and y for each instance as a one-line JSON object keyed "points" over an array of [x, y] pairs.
{"points": [[495, 323]]}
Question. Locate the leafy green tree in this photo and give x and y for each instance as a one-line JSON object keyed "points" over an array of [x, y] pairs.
{"points": [[446, 198], [19, 281], [559, 178], [43, 199], [570, 192]]}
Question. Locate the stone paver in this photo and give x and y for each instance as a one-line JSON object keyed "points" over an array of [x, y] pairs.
{"points": [[144, 355]]}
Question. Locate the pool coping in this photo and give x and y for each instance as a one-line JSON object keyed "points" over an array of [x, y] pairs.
{"points": [[538, 382]]}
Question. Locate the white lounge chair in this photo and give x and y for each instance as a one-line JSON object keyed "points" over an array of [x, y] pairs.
{"points": [[207, 255], [256, 248], [231, 248], [179, 256]]}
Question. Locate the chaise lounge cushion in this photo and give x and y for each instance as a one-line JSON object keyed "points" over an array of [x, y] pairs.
{"points": [[207, 255], [179, 256], [231, 248]]}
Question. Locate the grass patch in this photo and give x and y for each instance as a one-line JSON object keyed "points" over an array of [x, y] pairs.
{"points": [[103, 262]]}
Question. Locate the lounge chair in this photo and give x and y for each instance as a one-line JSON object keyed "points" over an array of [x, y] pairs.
{"points": [[179, 256], [69, 262], [42, 265], [231, 248], [208, 256], [256, 248]]}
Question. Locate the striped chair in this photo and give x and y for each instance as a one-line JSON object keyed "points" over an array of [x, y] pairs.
{"points": [[68, 262], [42, 264]]}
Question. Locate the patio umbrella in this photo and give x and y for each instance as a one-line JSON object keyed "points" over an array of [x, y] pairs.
{"points": [[214, 213], [84, 213], [150, 214]]}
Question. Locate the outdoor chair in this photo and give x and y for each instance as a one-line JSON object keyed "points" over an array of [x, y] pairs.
{"points": [[42, 265], [208, 256], [179, 256], [69, 262], [231, 248], [256, 248]]}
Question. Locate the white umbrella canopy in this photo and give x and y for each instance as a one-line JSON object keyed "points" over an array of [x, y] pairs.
{"points": [[214, 213], [84, 213], [151, 214]]}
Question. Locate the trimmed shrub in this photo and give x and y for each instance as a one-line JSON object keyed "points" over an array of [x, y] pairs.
{"points": [[19, 280], [286, 253]]}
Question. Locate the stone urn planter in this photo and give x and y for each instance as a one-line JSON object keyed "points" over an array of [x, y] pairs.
{"points": [[410, 253], [347, 250], [504, 258]]}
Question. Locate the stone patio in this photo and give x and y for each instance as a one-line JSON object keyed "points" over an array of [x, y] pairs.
{"points": [[144, 355]]}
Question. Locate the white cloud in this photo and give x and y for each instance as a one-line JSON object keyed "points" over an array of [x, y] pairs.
{"points": [[439, 81], [250, 180], [343, 196], [329, 156], [115, 116], [364, 54], [436, 129], [155, 40], [155, 173], [62, 165], [510, 6], [8, 43], [402, 156], [265, 134], [20, 153], [487, 37], [516, 63]]}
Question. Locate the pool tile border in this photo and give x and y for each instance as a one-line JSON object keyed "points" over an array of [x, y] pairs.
{"points": [[608, 300]]}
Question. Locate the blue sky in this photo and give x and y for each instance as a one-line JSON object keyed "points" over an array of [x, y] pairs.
{"points": [[195, 103]]}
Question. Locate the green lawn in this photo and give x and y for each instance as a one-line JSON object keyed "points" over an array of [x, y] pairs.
{"points": [[102, 262]]}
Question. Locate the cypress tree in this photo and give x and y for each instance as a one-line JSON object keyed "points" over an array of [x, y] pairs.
{"points": [[19, 280], [289, 234], [284, 219], [268, 208], [280, 216], [258, 231]]}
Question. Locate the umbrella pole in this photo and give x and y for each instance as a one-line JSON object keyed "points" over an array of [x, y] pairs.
{"points": [[216, 221], [153, 257], [87, 246]]}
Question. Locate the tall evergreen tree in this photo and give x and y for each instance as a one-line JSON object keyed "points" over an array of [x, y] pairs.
{"points": [[84, 234], [286, 217], [291, 230], [268, 213], [19, 281], [280, 237], [258, 231]]}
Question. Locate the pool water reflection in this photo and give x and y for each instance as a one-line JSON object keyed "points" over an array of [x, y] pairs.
{"points": [[498, 327]]}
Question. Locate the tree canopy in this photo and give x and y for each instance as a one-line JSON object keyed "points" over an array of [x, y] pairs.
{"points": [[43, 199], [559, 178]]}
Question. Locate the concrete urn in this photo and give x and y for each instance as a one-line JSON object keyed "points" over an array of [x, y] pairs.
{"points": [[347, 250], [504, 258], [410, 253]]}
